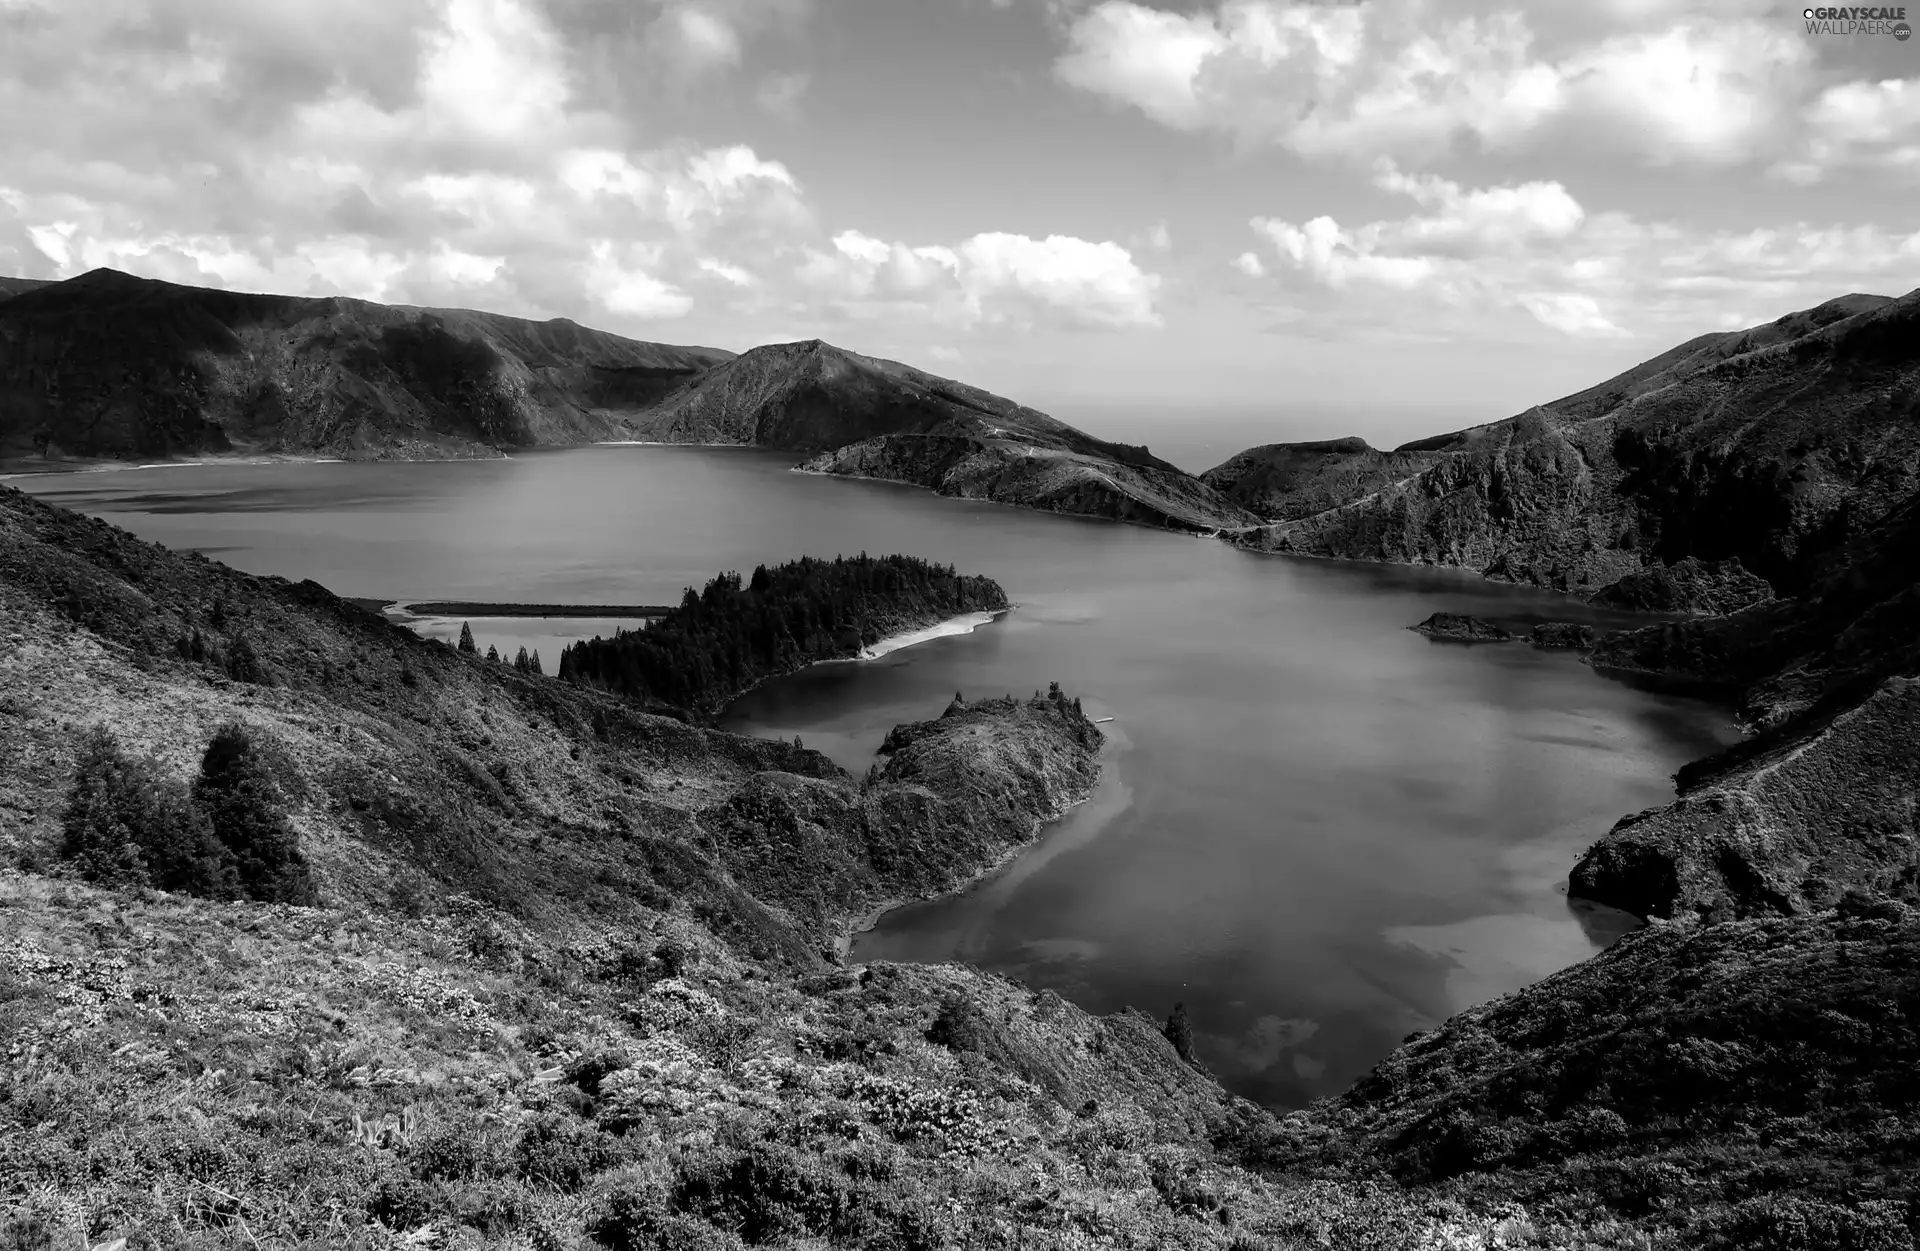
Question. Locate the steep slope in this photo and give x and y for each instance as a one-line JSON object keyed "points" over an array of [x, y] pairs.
{"points": [[1740, 1086], [1821, 799], [1769, 447], [1288, 481], [107, 365], [871, 418]]}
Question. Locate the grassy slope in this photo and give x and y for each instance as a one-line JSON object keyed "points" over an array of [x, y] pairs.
{"points": [[566, 979]]}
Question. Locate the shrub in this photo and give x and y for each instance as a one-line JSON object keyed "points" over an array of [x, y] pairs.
{"points": [[1790, 1223], [558, 1151], [634, 1216], [243, 805], [960, 1026], [126, 825]]}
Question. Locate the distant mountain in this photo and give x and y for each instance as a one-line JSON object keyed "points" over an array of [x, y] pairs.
{"points": [[108, 365], [10, 287], [1769, 447], [111, 366], [871, 418]]}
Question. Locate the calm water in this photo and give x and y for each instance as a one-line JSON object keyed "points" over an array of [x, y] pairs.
{"points": [[1319, 830]]}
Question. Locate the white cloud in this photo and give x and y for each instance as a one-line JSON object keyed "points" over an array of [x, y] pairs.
{"points": [[1859, 123], [1405, 78], [1250, 264], [1532, 248], [987, 280]]}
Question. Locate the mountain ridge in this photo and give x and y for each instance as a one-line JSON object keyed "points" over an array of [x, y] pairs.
{"points": [[1767, 446]]}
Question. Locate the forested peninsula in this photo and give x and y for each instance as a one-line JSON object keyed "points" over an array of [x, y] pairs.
{"points": [[730, 637]]}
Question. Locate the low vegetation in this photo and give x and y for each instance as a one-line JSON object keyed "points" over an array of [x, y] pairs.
{"points": [[387, 946]]}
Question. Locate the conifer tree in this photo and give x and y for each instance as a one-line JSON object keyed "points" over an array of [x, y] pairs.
{"points": [[241, 802], [466, 639], [533, 665], [493, 653], [521, 662], [126, 824], [1180, 1033]]}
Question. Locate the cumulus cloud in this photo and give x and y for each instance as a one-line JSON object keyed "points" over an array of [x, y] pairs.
{"points": [[447, 152], [1859, 123], [987, 280], [1531, 247], [1703, 83]]}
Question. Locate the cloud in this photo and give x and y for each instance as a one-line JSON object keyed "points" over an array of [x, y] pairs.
{"points": [[1711, 84], [987, 280], [1250, 264], [1532, 248], [444, 153], [1875, 124]]}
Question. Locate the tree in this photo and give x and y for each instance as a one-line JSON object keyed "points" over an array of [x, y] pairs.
{"points": [[493, 653], [127, 824], [1180, 1033], [522, 663], [533, 665], [244, 664], [466, 640], [242, 804]]}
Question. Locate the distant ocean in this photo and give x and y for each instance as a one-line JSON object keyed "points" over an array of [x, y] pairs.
{"points": [[1197, 439]]}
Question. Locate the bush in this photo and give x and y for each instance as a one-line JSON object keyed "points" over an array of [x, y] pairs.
{"points": [[243, 806], [127, 825], [1789, 1223], [636, 1217], [558, 1151]]}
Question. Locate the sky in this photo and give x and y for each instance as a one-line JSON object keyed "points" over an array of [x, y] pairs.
{"points": [[1383, 218]]}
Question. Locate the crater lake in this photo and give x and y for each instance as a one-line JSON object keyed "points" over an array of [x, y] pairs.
{"points": [[1317, 829]]}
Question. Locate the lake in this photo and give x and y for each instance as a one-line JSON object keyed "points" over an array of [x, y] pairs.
{"points": [[1319, 830]]}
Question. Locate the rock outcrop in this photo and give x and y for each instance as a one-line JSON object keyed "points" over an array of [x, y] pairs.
{"points": [[1686, 586], [1460, 628], [1562, 634], [108, 365]]}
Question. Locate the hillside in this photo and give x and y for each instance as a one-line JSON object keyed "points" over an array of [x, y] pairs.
{"points": [[1769, 447], [871, 418], [1288, 481], [106, 365], [569, 981]]}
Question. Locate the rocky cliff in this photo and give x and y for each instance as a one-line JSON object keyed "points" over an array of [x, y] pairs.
{"points": [[1820, 799], [1755, 454], [108, 365]]}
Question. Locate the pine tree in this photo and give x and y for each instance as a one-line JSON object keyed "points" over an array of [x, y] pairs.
{"points": [[243, 806], [1180, 1033], [493, 653], [521, 662], [533, 666], [466, 639], [126, 824]]}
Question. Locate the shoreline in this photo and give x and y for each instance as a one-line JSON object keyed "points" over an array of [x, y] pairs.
{"points": [[869, 920], [451, 609]]}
